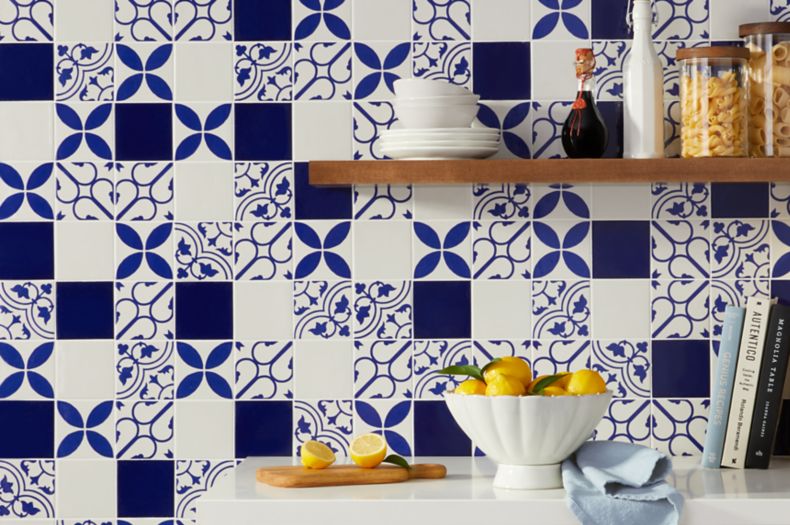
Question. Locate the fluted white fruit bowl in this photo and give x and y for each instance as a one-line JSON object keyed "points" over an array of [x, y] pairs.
{"points": [[528, 436]]}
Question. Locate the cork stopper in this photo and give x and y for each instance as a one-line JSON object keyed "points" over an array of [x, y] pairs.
{"points": [[585, 62]]}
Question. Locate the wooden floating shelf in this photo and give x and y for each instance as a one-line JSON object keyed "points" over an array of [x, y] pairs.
{"points": [[620, 171]]}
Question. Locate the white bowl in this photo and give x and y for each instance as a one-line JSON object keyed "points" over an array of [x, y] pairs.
{"points": [[421, 87], [528, 436], [440, 101], [422, 117]]}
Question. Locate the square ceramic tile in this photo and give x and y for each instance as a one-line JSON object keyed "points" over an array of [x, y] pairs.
{"points": [[264, 370], [322, 71], [376, 67], [85, 71], [30, 138], [263, 310], [501, 309], [204, 191], [393, 420], [680, 249], [562, 249], [263, 191], [680, 201], [263, 251], [383, 310], [263, 71], [626, 420], [144, 250], [312, 21], [553, 84], [442, 250], [382, 249], [514, 120], [322, 250], [610, 319], [86, 488], [370, 120], [203, 132], [204, 429], [501, 20], [72, 24], [330, 421], [144, 310], [202, 22], [431, 356], [502, 250], [325, 129], [679, 425], [438, 21], [680, 309], [144, 191], [323, 369], [383, 202], [144, 429], [382, 19], [196, 67], [740, 249], [382, 369], [84, 429], [27, 370], [84, 251], [442, 202], [692, 22], [145, 72], [561, 310], [203, 251], [621, 201], [445, 61], [204, 370], [148, 22], [553, 21], [145, 370], [625, 366], [551, 357], [27, 191], [85, 369], [322, 309]]}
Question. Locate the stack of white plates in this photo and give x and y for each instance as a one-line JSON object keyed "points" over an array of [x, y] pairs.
{"points": [[435, 123]]}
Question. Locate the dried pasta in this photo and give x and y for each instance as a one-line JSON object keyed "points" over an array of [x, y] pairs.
{"points": [[769, 100]]}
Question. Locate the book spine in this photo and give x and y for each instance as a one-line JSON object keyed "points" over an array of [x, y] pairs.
{"points": [[744, 390], [769, 389], [722, 387]]}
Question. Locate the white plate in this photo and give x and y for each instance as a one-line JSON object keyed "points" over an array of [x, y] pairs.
{"points": [[429, 143], [431, 131], [415, 135], [437, 153]]}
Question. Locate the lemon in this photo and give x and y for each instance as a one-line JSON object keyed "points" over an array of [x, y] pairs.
{"points": [[504, 385], [560, 383], [317, 455], [552, 390], [368, 451], [509, 366], [585, 382], [473, 387]]}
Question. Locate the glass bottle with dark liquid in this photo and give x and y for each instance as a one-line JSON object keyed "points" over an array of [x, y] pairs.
{"points": [[584, 134]]}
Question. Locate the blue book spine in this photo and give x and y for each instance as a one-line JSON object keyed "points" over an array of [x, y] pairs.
{"points": [[722, 386]]}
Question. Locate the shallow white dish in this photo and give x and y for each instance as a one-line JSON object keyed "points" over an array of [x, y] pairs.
{"points": [[421, 87], [418, 135], [458, 143], [453, 100], [438, 152], [422, 117]]}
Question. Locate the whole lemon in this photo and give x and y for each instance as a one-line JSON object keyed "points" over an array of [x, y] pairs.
{"points": [[504, 385], [510, 366], [552, 390], [585, 382], [473, 387]]}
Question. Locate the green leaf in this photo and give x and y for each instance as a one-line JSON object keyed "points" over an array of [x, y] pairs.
{"points": [[463, 370], [397, 460], [493, 361], [546, 381]]}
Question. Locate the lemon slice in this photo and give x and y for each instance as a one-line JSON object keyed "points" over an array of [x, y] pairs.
{"points": [[368, 451], [317, 455]]}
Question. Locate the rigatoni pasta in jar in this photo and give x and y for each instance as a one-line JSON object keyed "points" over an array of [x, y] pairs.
{"points": [[713, 94], [769, 88]]}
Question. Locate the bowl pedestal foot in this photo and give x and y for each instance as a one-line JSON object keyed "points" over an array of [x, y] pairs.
{"points": [[528, 477]]}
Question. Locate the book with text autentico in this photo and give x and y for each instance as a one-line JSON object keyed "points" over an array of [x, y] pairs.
{"points": [[722, 386], [744, 390], [769, 389]]}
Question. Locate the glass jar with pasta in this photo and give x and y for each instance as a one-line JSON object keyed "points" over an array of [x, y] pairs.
{"points": [[713, 88], [769, 88]]}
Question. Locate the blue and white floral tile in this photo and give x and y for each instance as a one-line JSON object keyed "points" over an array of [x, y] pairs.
{"points": [[561, 201], [780, 248], [262, 251], [144, 191], [430, 356], [447, 61], [263, 71], [144, 429], [322, 250], [27, 310], [440, 20], [382, 369], [26, 21], [394, 420], [724, 293], [383, 202], [152, 21], [27, 370], [263, 191], [377, 65], [680, 249], [202, 21], [84, 429], [145, 72], [679, 425], [561, 250], [329, 421], [322, 71], [547, 121], [322, 309], [27, 191], [203, 132], [383, 310], [145, 370], [193, 479], [610, 58], [553, 356], [84, 131], [502, 250], [780, 200], [33, 493], [687, 20], [442, 250], [513, 120], [370, 120], [144, 250], [203, 251], [680, 309], [84, 191], [625, 366], [561, 19], [264, 369], [483, 352], [685, 200], [561, 310], [740, 249], [780, 10], [84, 71], [204, 370], [501, 201], [144, 310], [626, 420], [322, 19]]}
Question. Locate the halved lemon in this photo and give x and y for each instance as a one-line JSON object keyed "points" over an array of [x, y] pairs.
{"points": [[368, 451], [317, 455]]}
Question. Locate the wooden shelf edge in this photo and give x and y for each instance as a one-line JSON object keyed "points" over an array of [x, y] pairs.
{"points": [[622, 171]]}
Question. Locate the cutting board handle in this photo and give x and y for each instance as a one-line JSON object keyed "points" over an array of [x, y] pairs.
{"points": [[427, 471]]}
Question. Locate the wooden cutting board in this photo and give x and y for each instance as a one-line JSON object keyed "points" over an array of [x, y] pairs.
{"points": [[301, 477]]}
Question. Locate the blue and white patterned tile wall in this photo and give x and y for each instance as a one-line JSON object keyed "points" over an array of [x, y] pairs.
{"points": [[174, 296]]}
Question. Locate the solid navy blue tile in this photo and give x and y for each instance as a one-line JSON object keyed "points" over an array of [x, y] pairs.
{"points": [[739, 200], [204, 310], [28, 250], [319, 202], [264, 428], [612, 113], [609, 20], [28, 429], [145, 489], [84, 310], [681, 368], [781, 290], [621, 249], [436, 433], [783, 432], [27, 72], [263, 131], [143, 131], [501, 70], [262, 20], [442, 310]]}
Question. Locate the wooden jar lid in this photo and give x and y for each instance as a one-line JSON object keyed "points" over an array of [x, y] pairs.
{"points": [[713, 52], [763, 28]]}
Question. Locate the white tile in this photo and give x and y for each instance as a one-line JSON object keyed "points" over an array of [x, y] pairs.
{"points": [[325, 130], [726, 16], [84, 251], [26, 131], [501, 20], [552, 64], [85, 369], [84, 20], [382, 249], [382, 19], [621, 201], [86, 488], [262, 310], [204, 191], [204, 429], [323, 369], [198, 68], [501, 309], [621, 308], [442, 202]]}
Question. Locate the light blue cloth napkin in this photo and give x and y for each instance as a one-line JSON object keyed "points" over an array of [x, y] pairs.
{"points": [[610, 483]]}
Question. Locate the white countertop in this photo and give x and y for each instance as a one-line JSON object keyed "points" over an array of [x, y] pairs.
{"points": [[466, 496]]}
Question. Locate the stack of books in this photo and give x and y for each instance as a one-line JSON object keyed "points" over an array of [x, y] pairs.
{"points": [[749, 385]]}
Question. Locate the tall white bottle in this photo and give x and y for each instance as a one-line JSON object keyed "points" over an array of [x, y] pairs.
{"points": [[643, 90]]}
